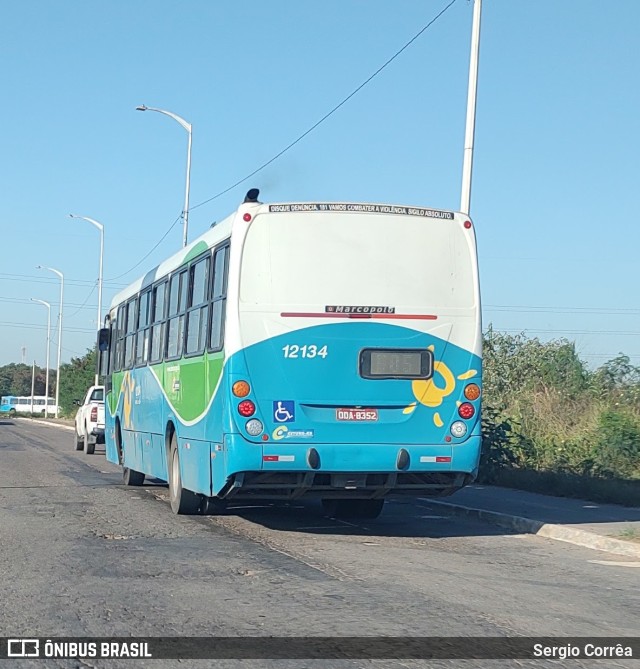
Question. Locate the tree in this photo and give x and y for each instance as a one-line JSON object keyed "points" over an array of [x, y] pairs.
{"points": [[75, 379], [15, 379]]}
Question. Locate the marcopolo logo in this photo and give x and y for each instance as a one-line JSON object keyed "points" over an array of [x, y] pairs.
{"points": [[357, 309]]}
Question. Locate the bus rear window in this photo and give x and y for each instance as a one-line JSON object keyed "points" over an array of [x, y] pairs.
{"points": [[357, 259]]}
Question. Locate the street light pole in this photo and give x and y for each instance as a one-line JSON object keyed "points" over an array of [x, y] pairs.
{"points": [[465, 199], [46, 392], [101, 228], [61, 275], [187, 126]]}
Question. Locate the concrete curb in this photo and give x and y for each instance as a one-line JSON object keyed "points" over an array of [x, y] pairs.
{"points": [[564, 533], [50, 424]]}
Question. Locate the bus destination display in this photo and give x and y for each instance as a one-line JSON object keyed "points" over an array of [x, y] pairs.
{"points": [[396, 364]]}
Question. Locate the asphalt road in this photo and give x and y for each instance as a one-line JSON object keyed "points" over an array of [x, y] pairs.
{"points": [[83, 555]]}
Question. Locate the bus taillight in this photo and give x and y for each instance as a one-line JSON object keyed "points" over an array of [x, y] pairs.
{"points": [[472, 391], [466, 410], [246, 408], [241, 389], [458, 430], [254, 427]]}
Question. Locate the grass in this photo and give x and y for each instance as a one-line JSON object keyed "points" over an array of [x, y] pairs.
{"points": [[630, 534]]}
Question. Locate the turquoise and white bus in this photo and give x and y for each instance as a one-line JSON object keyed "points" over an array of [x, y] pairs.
{"points": [[306, 349], [10, 405]]}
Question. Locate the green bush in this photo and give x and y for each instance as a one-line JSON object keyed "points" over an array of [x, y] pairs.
{"points": [[617, 447], [554, 425], [502, 446]]}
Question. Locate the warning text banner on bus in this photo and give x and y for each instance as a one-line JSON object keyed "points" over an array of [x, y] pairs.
{"points": [[326, 648], [358, 208]]}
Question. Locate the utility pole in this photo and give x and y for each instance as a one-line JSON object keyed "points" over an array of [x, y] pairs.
{"points": [[465, 199], [33, 384]]}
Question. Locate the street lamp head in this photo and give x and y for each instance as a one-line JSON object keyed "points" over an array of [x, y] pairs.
{"points": [[89, 220], [142, 108]]}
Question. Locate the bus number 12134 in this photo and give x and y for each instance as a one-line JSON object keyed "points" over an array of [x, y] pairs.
{"points": [[310, 351]]}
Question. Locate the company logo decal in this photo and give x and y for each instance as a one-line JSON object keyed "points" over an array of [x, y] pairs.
{"points": [[283, 432], [341, 309]]}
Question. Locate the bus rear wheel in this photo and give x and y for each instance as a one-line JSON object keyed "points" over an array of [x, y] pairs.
{"points": [[353, 508], [183, 502]]}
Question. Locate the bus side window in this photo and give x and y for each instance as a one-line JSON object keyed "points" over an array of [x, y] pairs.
{"points": [[104, 347], [113, 340], [119, 337], [196, 328], [157, 320], [130, 339], [176, 310], [142, 345], [219, 297]]}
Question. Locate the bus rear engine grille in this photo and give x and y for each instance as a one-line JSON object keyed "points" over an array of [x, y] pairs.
{"points": [[361, 485]]}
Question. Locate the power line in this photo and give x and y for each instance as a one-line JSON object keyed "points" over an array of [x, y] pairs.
{"points": [[563, 310], [330, 113], [82, 306], [26, 278], [572, 332], [21, 300], [608, 355], [150, 252], [37, 326]]}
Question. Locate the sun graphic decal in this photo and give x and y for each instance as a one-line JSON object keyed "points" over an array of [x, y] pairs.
{"points": [[432, 392]]}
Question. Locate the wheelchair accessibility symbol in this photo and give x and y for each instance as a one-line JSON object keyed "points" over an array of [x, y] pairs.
{"points": [[284, 411]]}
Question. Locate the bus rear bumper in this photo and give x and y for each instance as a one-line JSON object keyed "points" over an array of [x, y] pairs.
{"points": [[346, 485], [359, 471]]}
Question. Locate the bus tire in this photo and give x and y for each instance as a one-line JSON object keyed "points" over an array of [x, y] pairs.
{"points": [[183, 502], [353, 508], [212, 506], [119, 444], [88, 446], [132, 477]]}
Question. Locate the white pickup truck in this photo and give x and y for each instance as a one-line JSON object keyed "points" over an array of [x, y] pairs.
{"points": [[90, 420]]}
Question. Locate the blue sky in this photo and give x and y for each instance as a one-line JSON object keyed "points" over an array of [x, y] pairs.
{"points": [[555, 179]]}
